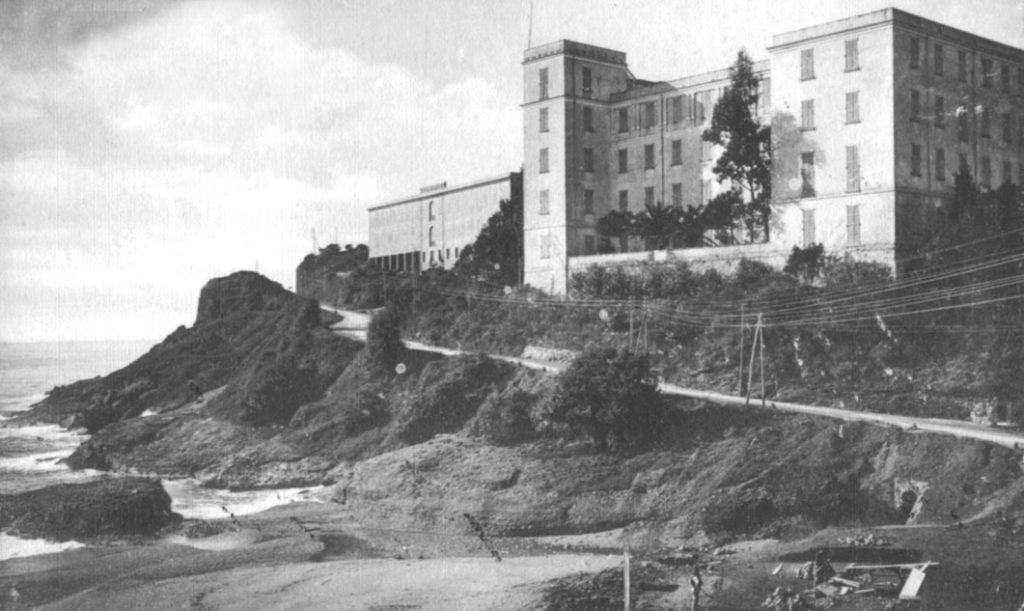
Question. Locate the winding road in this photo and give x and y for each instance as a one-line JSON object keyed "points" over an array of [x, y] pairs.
{"points": [[354, 324]]}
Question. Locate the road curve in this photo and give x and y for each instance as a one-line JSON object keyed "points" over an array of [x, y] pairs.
{"points": [[353, 324]]}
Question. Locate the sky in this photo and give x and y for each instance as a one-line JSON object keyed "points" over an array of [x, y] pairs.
{"points": [[147, 146]]}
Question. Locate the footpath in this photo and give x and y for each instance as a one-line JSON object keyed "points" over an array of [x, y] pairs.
{"points": [[354, 324]]}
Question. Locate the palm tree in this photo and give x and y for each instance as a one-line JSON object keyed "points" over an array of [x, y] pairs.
{"points": [[659, 225]]}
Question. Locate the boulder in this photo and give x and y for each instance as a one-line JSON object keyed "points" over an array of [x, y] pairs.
{"points": [[114, 506]]}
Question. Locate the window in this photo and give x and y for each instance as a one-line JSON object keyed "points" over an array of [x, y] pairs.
{"points": [[588, 201], [706, 191], [961, 65], [545, 246], [806, 64], [431, 258], [676, 109], [588, 119], [623, 200], [543, 120], [543, 77], [1007, 128], [588, 83], [588, 245], [986, 124], [677, 152], [623, 161], [853, 107], [677, 194], [986, 171], [1007, 172], [940, 165], [807, 115], [706, 150], [430, 211], [915, 159], [940, 111], [544, 161], [648, 196], [1004, 77], [650, 115], [852, 169], [939, 61], [852, 55], [588, 160], [962, 124], [807, 174], [545, 201], [623, 120], [808, 227], [430, 236], [648, 156], [853, 225], [915, 53], [987, 73], [915, 105]]}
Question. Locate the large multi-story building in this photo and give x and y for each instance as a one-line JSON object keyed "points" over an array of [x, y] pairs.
{"points": [[431, 228], [870, 116]]}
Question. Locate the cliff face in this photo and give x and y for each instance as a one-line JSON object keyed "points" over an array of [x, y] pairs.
{"points": [[245, 325]]}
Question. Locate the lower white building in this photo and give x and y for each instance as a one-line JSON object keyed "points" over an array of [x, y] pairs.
{"points": [[432, 228]]}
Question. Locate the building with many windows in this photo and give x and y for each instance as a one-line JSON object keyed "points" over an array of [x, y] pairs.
{"points": [[430, 229], [870, 116]]}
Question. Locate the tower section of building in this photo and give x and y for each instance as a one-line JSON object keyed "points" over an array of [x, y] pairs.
{"points": [[565, 150]]}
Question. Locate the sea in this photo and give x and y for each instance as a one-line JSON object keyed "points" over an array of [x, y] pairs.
{"points": [[31, 456]]}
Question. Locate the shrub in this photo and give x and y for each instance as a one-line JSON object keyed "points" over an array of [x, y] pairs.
{"points": [[505, 419], [384, 340], [609, 395], [805, 263]]}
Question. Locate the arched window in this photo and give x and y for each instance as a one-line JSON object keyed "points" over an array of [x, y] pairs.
{"points": [[430, 210]]}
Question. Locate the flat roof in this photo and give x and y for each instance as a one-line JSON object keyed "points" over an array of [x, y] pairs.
{"points": [[445, 191], [896, 17], [761, 68], [579, 49]]}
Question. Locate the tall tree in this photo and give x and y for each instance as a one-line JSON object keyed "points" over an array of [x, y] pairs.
{"points": [[496, 255], [659, 225], [616, 224], [745, 162]]}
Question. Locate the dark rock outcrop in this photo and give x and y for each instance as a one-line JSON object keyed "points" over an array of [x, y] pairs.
{"points": [[115, 506]]}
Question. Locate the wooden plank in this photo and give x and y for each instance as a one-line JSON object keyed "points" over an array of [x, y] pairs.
{"points": [[912, 585], [872, 567]]}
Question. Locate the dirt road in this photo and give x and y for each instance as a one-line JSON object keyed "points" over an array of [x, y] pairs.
{"points": [[1006, 437]]}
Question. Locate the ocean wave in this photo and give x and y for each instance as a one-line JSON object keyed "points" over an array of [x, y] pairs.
{"points": [[192, 500], [16, 547]]}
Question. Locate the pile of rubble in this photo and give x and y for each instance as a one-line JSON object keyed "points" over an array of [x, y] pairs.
{"points": [[902, 581]]}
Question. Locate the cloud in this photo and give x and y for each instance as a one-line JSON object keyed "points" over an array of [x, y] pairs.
{"points": [[206, 139]]}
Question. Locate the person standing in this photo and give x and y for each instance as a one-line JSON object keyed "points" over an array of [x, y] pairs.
{"points": [[696, 583]]}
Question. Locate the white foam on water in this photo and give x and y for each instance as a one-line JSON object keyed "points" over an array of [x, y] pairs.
{"points": [[192, 500], [148, 413], [16, 547]]}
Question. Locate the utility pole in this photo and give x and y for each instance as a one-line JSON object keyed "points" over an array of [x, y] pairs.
{"points": [[750, 368], [743, 322], [760, 335]]}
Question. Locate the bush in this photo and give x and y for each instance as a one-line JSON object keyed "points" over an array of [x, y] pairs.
{"points": [[384, 340], [805, 263], [505, 419], [609, 395]]}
